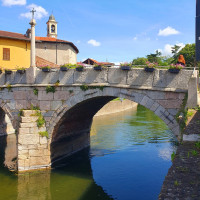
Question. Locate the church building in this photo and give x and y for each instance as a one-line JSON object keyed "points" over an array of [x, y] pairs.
{"points": [[15, 49]]}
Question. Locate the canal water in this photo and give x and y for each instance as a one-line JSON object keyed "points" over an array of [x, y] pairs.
{"points": [[128, 159]]}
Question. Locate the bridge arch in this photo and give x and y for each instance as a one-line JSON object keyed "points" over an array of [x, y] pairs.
{"points": [[72, 121], [8, 124]]}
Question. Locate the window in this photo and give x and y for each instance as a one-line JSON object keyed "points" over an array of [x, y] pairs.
{"points": [[6, 54]]}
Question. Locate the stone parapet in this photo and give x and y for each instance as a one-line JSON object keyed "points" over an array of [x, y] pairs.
{"points": [[136, 77]]}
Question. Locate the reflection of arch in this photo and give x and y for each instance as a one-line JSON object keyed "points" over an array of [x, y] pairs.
{"points": [[73, 120]]}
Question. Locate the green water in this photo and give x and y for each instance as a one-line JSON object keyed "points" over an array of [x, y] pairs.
{"points": [[128, 160]]}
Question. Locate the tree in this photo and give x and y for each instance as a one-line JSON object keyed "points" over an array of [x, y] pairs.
{"points": [[175, 50], [154, 57], [139, 61]]}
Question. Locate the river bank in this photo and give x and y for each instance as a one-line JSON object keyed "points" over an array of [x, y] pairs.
{"points": [[183, 179], [116, 106]]}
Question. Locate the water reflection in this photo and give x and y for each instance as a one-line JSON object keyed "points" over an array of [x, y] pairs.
{"points": [[128, 159]]}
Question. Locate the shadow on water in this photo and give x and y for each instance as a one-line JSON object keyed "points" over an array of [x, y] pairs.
{"points": [[8, 181], [75, 180]]}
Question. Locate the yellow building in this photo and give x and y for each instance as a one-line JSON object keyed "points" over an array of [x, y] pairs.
{"points": [[14, 50]]}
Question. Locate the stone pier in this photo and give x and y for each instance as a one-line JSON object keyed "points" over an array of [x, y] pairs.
{"points": [[33, 149]]}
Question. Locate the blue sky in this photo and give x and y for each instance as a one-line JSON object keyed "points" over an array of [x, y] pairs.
{"points": [[113, 30]]}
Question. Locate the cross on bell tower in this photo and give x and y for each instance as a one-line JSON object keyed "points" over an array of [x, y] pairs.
{"points": [[52, 27]]}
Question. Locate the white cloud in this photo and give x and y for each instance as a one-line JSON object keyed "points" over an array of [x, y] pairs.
{"points": [[168, 31], [135, 38], [78, 42], [94, 43], [167, 51], [13, 2], [40, 12]]}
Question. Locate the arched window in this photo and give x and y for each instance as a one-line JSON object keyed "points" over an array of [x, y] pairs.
{"points": [[53, 28]]}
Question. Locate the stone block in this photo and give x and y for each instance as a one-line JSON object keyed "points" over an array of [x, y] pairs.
{"points": [[31, 95], [24, 130], [43, 140], [171, 95], [144, 101], [35, 103], [45, 105], [42, 129], [89, 76], [67, 77], [46, 78], [29, 119], [173, 111], [48, 114], [34, 130], [2, 79], [19, 78], [154, 106], [7, 95], [138, 77], [159, 111], [55, 105], [47, 152], [28, 125], [22, 157], [155, 95], [43, 96], [174, 104], [38, 161], [61, 95], [117, 76], [20, 95], [27, 139], [21, 104], [28, 113], [36, 153]]}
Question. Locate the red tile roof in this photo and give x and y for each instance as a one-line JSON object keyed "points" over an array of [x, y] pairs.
{"points": [[17, 36], [42, 62], [50, 39]]}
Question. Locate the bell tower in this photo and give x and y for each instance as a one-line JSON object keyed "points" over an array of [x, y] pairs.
{"points": [[52, 27]]}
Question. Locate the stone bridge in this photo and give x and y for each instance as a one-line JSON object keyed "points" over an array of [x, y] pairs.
{"points": [[68, 101]]}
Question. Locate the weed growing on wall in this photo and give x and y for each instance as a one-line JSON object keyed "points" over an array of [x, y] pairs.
{"points": [[9, 87], [50, 89], [35, 91], [183, 113], [44, 134], [173, 156], [86, 87], [57, 83]]}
